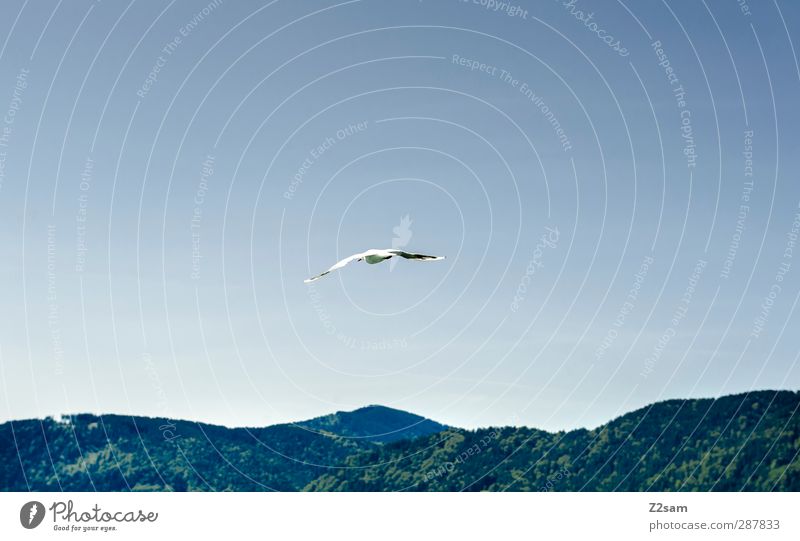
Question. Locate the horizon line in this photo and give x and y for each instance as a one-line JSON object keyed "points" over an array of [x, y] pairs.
{"points": [[57, 417]]}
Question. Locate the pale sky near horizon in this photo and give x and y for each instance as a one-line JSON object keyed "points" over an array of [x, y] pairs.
{"points": [[617, 195]]}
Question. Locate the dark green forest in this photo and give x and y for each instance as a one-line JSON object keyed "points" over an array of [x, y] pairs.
{"points": [[739, 442]]}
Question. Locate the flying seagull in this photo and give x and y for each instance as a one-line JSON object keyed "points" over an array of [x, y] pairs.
{"points": [[376, 256]]}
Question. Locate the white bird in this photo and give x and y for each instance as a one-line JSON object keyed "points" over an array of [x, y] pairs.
{"points": [[376, 256]]}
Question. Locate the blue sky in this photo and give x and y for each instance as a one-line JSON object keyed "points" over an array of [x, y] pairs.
{"points": [[616, 194]]}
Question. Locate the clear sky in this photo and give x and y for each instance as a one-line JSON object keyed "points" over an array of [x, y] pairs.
{"points": [[615, 186]]}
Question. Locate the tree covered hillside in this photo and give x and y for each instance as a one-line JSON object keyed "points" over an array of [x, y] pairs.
{"points": [[739, 442]]}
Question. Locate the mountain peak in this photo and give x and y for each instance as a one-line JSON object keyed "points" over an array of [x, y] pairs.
{"points": [[374, 423]]}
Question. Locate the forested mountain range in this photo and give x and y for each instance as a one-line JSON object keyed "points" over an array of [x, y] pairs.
{"points": [[737, 442]]}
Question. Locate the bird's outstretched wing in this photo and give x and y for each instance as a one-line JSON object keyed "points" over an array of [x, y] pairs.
{"points": [[339, 265], [409, 255]]}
